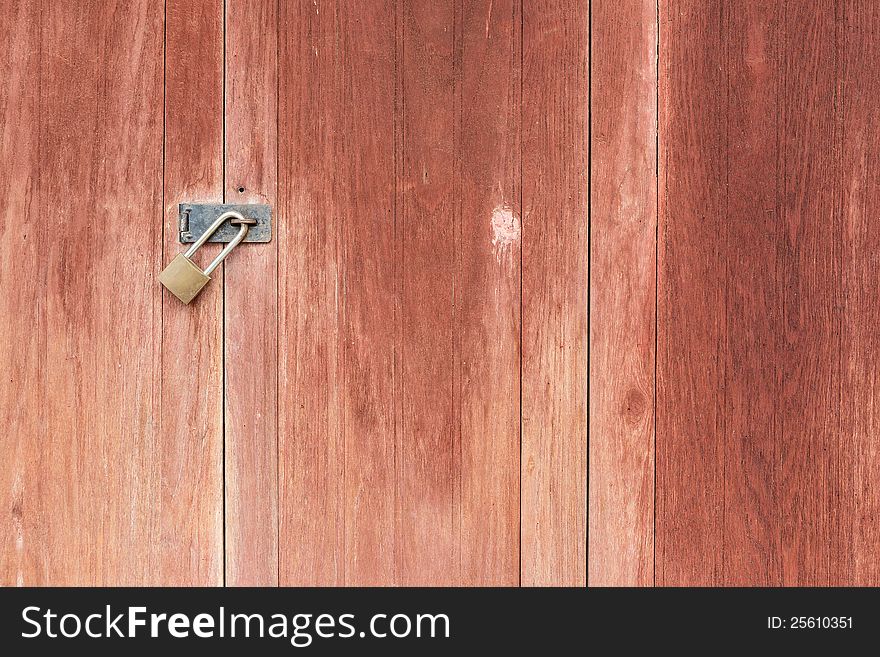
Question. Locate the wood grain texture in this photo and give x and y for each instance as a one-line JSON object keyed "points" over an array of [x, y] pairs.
{"points": [[365, 202], [250, 304], [24, 556], [487, 288], [690, 419], [100, 89], [81, 141], [555, 167], [813, 303], [337, 294], [399, 305], [752, 234], [368, 368], [192, 336], [765, 410], [427, 453], [623, 225], [860, 233], [311, 514]]}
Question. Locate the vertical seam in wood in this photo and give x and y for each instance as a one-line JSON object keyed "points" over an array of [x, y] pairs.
{"points": [[783, 219], [341, 360], [396, 137], [223, 308], [724, 29], [41, 205], [161, 383], [277, 296], [656, 271], [840, 90], [399, 398], [780, 169], [523, 237], [457, 57], [589, 276]]}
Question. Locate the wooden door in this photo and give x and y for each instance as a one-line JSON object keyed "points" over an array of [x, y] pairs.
{"points": [[393, 391], [734, 422], [111, 405]]}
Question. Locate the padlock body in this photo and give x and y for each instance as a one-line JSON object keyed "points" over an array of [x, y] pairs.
{"points": [[183, 278]]}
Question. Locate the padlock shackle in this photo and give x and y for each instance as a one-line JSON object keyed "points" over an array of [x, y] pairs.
{"points": [[204, 237], [242, 233]]}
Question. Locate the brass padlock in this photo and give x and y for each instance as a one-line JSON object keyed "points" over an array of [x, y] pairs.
{"points": [[183, 278]]}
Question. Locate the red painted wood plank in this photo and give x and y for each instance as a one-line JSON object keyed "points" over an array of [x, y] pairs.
{"points": [[191, 457], [752, 233], [365, 201], [250, 306], [623, 193], [691, 296], [370, 460], [81, 145], [487, 288], [337, 294], [860, 242], [426, 457], [311, 514], [555, 172], [812, 301], [24, 552], [765, 411]]}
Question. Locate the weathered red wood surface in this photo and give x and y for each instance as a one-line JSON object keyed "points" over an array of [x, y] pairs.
{"points": [[192, 345], [555, 172], [24, 553], [106, 479], [250, 305], [766, 392], [487, 293], [391, 392], [337, 294], [427, 439], [858, 460], [192, 336], [310, 451], [399, 294], [691, 296], [623, 230]]}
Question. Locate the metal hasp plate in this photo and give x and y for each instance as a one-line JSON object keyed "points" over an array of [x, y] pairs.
{"points": [[196, 218]]}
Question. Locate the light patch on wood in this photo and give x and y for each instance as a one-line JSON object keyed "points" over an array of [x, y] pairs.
{"points": [[489, 18], [505, 229]]}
